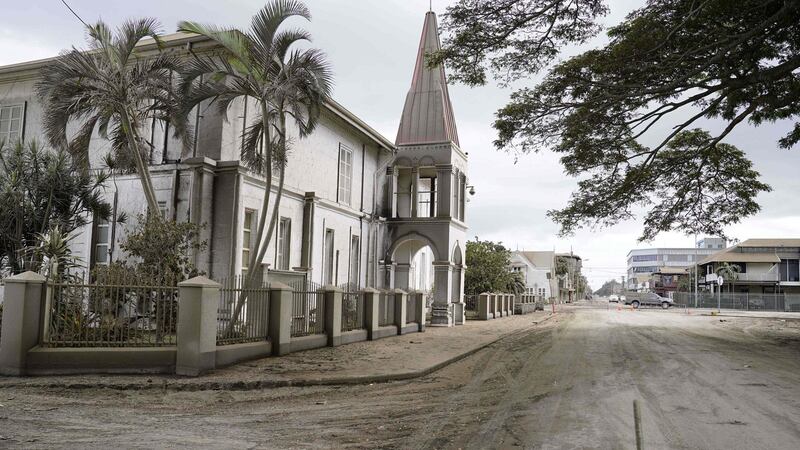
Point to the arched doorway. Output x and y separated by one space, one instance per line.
410 260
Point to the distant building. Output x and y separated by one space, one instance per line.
538 269
643 263
568 283
765 266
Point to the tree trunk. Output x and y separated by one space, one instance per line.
143 169
257 254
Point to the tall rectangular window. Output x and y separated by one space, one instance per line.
329 267
11 118
354 261
102 240
284 244
247 239
345 174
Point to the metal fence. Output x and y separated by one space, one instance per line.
308 309
471 306
739 301
386 309
243 311
411 311
120 310
352 311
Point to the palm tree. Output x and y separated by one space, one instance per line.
109 88
729 272
262 65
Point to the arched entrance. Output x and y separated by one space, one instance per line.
410 260
415 261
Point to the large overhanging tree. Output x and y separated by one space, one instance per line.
111 90
288 85
667 69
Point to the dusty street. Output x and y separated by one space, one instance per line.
566 383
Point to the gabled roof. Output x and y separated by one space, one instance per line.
541 260
30 69
428 114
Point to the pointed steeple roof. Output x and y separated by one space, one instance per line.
428 114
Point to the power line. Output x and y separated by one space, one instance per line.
74 13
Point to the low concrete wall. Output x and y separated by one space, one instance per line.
348 337
382 332
56 361
524 308
232 354
412 327
298 344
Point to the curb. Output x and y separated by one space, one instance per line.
264 384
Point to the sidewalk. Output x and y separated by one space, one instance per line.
389 359
748 314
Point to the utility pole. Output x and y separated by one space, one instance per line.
695 271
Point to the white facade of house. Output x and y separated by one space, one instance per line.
538 269
357 209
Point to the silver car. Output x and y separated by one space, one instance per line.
652 299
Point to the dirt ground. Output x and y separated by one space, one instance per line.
703 382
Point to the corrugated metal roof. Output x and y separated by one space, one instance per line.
790 242
728 255
428 114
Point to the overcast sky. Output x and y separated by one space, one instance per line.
372 46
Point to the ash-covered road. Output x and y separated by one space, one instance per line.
568 383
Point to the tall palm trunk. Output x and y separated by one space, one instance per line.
141 167
261 241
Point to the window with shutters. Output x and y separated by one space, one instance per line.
11 119
345 174
247 239
102 240
284 244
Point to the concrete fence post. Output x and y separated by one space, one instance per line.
503 311
280 318
399 309
513 304
484 306
372 308
22 323
419 306
198 300
333 314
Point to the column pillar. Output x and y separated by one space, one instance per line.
414 191
444 190
371 311
307 238
22 325
401 276
442 308
419 309
391 173
333 314
485 307
280 318
198 300
399 309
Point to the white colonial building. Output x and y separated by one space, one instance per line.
357 208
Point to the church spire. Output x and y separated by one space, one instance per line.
428 114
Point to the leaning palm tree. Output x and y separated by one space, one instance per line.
110 89
261 65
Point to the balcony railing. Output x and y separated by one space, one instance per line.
769 276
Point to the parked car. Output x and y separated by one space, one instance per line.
648 298
613 298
